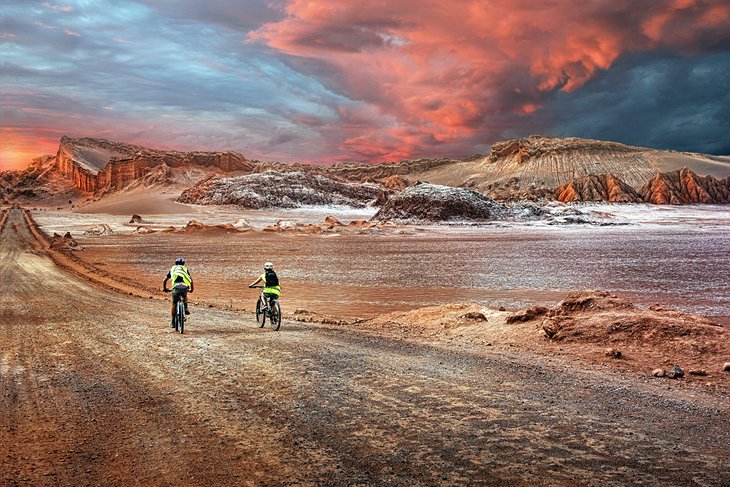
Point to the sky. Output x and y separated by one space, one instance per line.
364 80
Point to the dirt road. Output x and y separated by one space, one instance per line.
95 388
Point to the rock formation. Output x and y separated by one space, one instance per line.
274 189
434 203
601 317
537 163
604 187
685 187
389 174
94 165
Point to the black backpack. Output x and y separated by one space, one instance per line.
271 279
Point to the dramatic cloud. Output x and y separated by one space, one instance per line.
315 80
461 68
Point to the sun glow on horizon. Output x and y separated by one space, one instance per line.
17 152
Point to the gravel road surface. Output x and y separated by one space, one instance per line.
97 389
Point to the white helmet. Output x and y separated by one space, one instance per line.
268 266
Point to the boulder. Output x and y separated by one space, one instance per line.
526 314
434 203
136 219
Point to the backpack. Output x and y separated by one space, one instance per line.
272 280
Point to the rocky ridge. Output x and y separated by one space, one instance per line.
94 165
685 187
534 166
673 188
283 190
603 187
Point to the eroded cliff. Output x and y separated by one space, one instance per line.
685 187
94 165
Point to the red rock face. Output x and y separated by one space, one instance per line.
685 187
98 164
604 187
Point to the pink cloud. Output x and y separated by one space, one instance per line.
58 8
452 69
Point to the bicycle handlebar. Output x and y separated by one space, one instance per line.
257 287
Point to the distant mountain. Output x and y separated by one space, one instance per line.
568 169
535 164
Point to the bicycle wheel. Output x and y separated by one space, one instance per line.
180 316
260 314
275 319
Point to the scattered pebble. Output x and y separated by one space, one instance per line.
698 372
658 373
726 367
676 372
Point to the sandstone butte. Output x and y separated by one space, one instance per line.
97 164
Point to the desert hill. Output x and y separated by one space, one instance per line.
536 164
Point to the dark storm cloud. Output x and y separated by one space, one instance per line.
658 100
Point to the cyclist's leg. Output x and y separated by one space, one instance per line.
185 300
270 298
175 298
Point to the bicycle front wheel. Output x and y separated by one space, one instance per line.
260 314
275 315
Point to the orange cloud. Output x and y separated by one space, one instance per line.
452 68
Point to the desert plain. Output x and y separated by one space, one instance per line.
430 336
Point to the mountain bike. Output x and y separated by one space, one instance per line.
267 307
179 320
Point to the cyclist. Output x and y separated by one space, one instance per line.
182 283
272 289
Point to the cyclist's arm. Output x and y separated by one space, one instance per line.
191 284
164 283
255 282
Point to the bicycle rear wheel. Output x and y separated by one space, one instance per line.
275 320
260 314
180 316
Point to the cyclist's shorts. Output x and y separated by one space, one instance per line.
178 291
271 296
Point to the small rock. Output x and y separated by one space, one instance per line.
136 219
658 373
697 372
474 315
612 352
726 367
676 372
501 308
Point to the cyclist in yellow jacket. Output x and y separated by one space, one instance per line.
181 284
272 289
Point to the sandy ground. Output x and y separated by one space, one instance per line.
95 388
